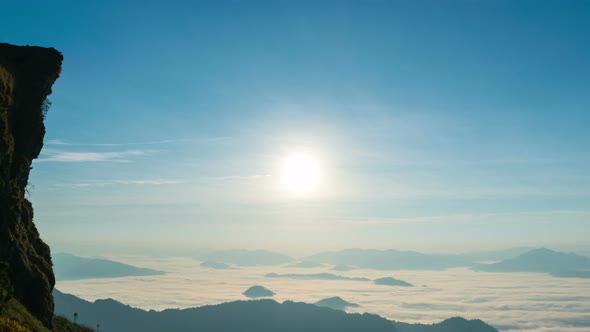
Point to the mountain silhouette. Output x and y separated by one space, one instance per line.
241 257
71 267
336 303
258 291
455 324
543 260
496 255
390 259
388 281
245 316
255 316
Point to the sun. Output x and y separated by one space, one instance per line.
300 173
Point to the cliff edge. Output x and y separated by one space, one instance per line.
26 76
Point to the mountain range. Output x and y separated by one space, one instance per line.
246 316
241 257
71 267
390 259
543 260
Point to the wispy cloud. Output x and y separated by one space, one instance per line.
61 150
49 155
104 183
59 142
243 177
155 182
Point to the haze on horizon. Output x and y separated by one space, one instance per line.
301 126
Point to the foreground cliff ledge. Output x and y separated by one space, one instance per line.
26 76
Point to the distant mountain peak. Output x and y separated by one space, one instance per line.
390 259
72 267
389 281
258 291
336 303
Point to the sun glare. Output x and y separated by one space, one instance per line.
300 173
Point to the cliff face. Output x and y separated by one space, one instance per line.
26 76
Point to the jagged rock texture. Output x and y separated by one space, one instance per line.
26 76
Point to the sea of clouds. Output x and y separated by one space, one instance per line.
523 302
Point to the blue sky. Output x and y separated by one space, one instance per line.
439 125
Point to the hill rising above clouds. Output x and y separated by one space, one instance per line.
242 257
543 260
390 259
71 267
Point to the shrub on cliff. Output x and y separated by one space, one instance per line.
10 325
62 324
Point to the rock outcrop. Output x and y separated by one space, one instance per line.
26 76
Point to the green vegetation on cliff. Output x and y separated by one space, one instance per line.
15 318
16 312
62 324
10 325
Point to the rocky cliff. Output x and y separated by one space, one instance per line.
26 76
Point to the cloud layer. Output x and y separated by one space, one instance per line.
523 302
